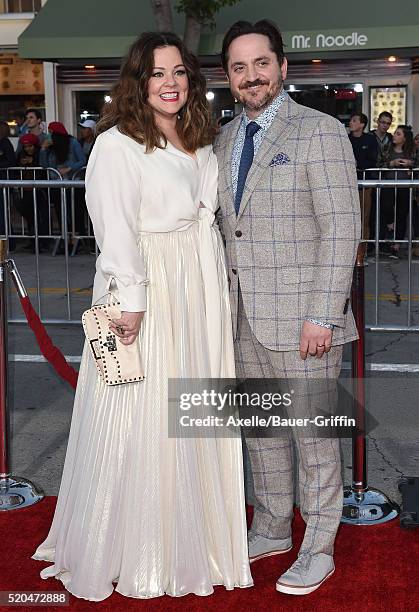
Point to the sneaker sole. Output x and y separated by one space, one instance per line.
269 554
290 590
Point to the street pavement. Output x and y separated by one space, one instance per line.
41 404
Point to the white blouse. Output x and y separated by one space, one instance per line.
129 191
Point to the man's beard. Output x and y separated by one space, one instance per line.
262 103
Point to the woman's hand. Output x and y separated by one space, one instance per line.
64 171
127 327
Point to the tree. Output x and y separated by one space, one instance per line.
162 12
198 13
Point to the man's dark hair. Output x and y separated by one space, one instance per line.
35 111
264 27
385 114
362 117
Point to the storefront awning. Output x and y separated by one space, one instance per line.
105 28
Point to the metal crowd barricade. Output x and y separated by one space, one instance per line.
57 229
379 240
81 229
66 232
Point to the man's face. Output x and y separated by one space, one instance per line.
384 123
355 124
254 72
29 149
32 120
86 133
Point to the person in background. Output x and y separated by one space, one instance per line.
28 158
400 155
7 154
33 125
29 153
416 142
87 140
364 144
415 251
63 152
88 136
382 135
19 118
7 159
365 148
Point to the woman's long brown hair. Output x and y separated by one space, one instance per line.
129 108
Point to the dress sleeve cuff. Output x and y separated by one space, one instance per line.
132 298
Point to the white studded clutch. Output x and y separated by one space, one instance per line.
116 363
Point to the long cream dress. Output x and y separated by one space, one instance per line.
151 513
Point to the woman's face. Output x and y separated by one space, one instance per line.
398 137
168 85
417 141
29 149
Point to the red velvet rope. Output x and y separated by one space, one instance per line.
51 353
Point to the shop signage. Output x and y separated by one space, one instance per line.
351 39
20 76
325 41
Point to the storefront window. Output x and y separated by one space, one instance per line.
339 100
89 104
221 102
390 99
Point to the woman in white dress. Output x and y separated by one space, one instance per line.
151 513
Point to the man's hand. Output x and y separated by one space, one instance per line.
314 340
127 327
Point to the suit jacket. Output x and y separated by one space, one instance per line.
293 244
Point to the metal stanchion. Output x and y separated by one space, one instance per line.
361 504
14 492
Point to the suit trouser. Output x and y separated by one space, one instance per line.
271 458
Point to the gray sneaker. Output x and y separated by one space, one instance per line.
306 574
260 546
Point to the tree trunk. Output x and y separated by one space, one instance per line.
162 12
192 34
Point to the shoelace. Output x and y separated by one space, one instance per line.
301 562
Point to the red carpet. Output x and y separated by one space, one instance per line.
376 569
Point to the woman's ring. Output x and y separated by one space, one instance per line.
120 329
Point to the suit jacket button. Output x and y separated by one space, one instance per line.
234 270
238 233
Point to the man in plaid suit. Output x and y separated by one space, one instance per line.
290 215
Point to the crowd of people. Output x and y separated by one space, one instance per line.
42 146
36 151
396 155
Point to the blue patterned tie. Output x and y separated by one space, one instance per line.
245 161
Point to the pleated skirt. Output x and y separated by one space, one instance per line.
137 510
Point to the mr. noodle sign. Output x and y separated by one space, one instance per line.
326 41
354 39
